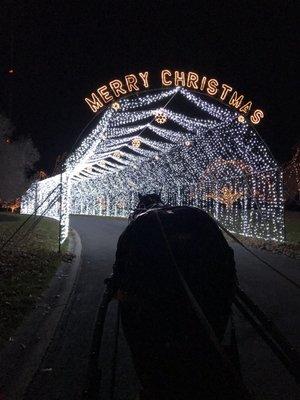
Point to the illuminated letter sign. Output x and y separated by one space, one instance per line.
110 92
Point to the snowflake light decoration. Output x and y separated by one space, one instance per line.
136 142
117 154
160 117
116 106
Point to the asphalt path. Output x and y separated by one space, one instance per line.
62 374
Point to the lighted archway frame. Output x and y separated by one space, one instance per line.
190 148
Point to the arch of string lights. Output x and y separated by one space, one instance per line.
182 144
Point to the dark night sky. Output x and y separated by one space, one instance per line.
63 50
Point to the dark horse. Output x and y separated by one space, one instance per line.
172 353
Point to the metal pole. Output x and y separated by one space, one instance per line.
60 213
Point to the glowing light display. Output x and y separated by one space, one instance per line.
191 80
291 176
204 155
136 142
226 195
115 106
160 117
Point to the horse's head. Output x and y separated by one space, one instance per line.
150 200
146 201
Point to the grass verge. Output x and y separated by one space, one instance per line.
290 248
27 264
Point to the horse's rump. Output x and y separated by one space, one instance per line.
202 254
167 340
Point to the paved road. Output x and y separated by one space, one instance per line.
62 373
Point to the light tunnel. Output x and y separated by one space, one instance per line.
183 144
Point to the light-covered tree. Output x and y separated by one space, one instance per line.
17 159
291 177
